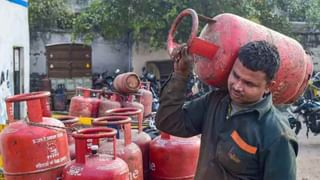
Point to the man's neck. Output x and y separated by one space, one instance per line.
239 107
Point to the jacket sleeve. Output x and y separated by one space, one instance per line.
281 159
174 116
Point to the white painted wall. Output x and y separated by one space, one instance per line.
142 54
14 32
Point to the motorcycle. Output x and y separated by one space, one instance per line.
196 88
104 80
313 89
295 124
309 110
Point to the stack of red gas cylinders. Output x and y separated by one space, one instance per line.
128 93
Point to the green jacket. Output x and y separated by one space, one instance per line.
249 145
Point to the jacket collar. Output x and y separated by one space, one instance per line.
260 107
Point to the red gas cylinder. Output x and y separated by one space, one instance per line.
109 101
85 105
126 150
68 121
304 85
173 157
145 98
126 83
217 48
33 148
45 105
130 101
95 101
95 166
139 137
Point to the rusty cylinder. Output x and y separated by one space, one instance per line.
127 83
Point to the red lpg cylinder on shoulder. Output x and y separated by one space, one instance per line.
304 85
83 104
68 121
34 148
126 150
216 50
127 83
95 166
173 157
109 101
139 137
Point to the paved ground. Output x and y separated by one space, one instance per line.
308 160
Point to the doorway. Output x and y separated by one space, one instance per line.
18 78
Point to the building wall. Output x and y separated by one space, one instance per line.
106 56
310 40
14 32
316 58
142 54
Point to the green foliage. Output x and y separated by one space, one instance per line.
312 14
149 20
48 14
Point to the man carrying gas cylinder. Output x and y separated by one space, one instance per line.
243 136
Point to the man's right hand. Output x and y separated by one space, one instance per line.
183 62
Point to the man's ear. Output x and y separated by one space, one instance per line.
269 86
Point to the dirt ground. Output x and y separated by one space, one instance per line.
308 161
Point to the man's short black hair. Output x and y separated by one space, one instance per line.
260 56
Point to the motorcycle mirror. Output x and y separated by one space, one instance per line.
151 77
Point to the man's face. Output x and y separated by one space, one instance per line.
246 86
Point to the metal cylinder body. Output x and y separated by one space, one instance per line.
127 83
126 149
68 121
146 100
139 137
84 104
36 148
108 103
95 166
173 157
